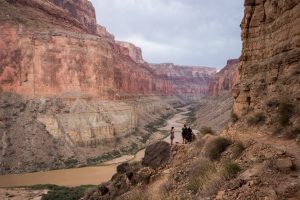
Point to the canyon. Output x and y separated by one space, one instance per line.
256 154
71 95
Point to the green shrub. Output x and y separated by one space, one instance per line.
237 149
153 127
285 111
216 147
206 130
192 114
71 163
201 175
258 118
234 117
230 169
62 193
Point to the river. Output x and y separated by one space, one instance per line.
93 175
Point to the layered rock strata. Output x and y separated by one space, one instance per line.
133 51
224 79
54 61
184 79
269 70
49 133
70 93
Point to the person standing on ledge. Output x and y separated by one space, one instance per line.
184 133
172 135
189 134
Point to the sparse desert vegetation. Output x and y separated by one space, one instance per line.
207 130
257 118
62 193
230 169
285 111
216 147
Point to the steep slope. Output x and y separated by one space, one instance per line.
269 71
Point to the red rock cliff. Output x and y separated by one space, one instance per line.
56 48
224 79
77 13
184 79
46 57
134 52
269 71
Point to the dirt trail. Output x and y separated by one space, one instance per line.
289 146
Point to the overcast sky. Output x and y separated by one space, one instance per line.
185 32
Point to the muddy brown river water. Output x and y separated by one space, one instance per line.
87 175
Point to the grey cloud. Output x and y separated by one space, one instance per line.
186 32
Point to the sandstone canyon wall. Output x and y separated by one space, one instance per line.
269 71
134 52
225 79
70 92
184 79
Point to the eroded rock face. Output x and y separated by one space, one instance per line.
225 79
54 56
49 133
102 32
80 13
184 79
36 64
134 52
269 70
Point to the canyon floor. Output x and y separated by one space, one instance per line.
97 174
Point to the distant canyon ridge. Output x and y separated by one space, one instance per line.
71 94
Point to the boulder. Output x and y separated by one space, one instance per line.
123 168
157 154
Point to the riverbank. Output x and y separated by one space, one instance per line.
92 175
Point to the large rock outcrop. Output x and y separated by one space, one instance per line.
157 154
269 71
185 79
134 52
36 64
77 13
224 79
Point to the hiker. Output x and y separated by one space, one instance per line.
184 134
189 134
172 135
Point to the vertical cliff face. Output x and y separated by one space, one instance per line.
184 79
102 32
224 79
70 14
269 71
45 58
81 10
134 52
